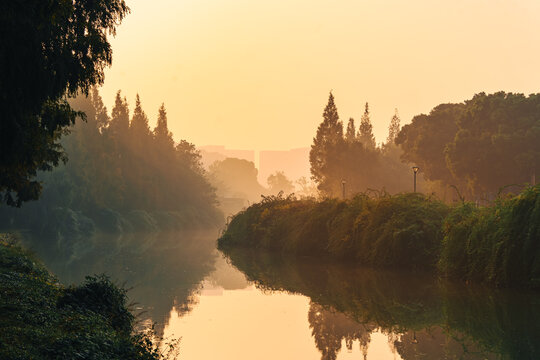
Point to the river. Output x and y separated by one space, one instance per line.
249 305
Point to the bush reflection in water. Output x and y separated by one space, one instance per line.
163 270
423 316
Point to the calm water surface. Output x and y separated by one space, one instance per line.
257 306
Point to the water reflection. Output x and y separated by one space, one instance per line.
424 318
331 328
162 270
336 309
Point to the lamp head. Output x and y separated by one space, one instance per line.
415 169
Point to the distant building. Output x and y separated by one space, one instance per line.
294 163
211 153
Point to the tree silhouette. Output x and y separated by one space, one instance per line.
50 49
138 127
329 136
393 129
120 116
350 135
481 145
162 135
362 166
279 182
365 132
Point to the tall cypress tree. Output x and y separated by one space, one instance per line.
393 129
138 158
119 124
365 133
350 135
102 118
329 135
139 128
162 135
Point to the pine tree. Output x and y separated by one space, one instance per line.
119 124
162 135
139 122
329 135
365 133
350 135
393 129
102 118
138 158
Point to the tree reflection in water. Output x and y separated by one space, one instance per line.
330 328
423 317
162 270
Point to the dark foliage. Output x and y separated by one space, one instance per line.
39 319
49 49
499 244
480 146
402 230
121 177
352 162
98 294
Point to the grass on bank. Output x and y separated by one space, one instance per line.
41 319
498 244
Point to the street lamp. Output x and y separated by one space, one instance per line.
343 187
415 170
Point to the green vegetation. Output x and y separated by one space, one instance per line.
279 182
499 244
389 230
353 157
235 178
50 50
445 320
496 244
162 270
121 177
40 319
479 145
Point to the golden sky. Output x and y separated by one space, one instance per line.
255 74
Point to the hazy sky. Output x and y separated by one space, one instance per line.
255 74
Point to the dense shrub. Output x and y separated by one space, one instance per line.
40 319
99 295
388 230
498 244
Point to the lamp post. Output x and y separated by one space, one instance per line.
415 170
343 188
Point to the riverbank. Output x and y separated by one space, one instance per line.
42 319
498 244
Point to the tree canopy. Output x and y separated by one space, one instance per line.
278 182
480 146
236 178
329 136
49 49
365 132
354 158
111 172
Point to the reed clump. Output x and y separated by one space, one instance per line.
497 244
